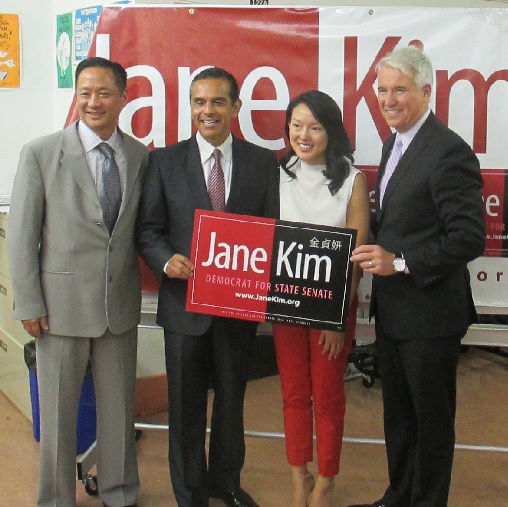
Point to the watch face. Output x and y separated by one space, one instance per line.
399 264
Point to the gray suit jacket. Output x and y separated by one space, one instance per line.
63 263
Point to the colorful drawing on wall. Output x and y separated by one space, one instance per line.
64 50
10 63
85 24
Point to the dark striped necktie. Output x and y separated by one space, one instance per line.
111 191
217 187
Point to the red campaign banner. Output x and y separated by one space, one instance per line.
162 47
270 270
495 200
277 53
495 205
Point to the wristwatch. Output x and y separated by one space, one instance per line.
399 263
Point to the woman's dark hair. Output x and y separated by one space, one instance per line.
339 152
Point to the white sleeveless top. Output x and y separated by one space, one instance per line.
307 198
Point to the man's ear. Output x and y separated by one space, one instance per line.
236 107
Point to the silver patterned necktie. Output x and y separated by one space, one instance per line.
390 167
111 190
217 187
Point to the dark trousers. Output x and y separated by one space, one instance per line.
217 359
419 379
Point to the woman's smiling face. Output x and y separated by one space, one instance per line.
307 136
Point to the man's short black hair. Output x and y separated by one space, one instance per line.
218 73
97 61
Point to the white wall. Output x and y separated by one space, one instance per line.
26 111
38 107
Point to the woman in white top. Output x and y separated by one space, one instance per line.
318 185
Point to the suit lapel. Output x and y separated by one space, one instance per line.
385 155
133 168
240 161
405 165
74 161
195 177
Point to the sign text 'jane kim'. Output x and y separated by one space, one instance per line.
291 260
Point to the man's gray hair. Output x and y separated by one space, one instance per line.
411 61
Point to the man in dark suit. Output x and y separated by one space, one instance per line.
429 224
76 282
201 348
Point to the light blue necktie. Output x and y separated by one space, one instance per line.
111 191
390 167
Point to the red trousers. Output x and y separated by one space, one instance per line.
312 387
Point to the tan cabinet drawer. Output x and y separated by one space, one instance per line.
14 380
4 262
7 324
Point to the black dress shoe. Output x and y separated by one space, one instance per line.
234 498
379 503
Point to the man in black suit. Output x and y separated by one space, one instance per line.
429 224
200 348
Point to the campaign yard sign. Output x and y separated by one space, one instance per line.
270 270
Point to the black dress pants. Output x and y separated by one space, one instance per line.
419 378
217 359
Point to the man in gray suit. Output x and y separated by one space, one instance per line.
76 283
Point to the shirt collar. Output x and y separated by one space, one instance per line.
206 149
408 136
91 140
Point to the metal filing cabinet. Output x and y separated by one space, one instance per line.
13 370
14 379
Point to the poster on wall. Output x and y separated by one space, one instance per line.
85 25
10 61
86 22
64 50
269 270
